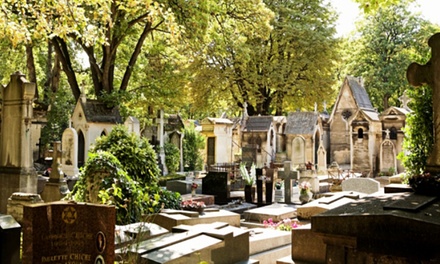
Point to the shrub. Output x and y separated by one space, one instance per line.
135 154
102 180
172 157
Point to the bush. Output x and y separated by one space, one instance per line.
172 157
135 154
102 180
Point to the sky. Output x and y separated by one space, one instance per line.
348 13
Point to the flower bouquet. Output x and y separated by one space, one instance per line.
285 225
190 205
425 184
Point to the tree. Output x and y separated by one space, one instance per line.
388 41
370 6
291 68
111 34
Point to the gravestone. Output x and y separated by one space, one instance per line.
288 176
362 185
17 173
217 184
10 234
62 232
322 159
388 156
56 188
298 151
69 161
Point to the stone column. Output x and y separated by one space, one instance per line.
17 173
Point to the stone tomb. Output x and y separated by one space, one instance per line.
215 242
62 232
171 218
328 202
276 211
390 228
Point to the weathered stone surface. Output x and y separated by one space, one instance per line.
362 185
307 246
364 230
18 200
277 212
64 232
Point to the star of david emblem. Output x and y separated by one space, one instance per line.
69 215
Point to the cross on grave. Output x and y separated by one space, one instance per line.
404 99
55 174
387 134
287 175
418 75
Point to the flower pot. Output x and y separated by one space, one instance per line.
305 196
193 192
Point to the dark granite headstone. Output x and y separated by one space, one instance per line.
62 232
216 183
10 233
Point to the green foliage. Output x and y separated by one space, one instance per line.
61 106
172 157
136 155
291 68
371 6
418 131
193 142
387 43
104 181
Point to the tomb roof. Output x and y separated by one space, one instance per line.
97 112
258 123
301 123
359 93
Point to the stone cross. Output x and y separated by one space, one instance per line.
55 173
387 134
288 176
429 73
404 99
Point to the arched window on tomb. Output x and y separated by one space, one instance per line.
103 133
360 133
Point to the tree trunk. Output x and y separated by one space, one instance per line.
30 64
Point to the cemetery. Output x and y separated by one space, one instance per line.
308 187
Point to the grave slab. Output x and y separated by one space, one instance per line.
325 203
180 217
365 230
216 242
135 233
275 211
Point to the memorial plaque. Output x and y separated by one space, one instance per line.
69 233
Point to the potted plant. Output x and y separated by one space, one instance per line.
305 192
249 180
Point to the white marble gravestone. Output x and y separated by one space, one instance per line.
69 161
